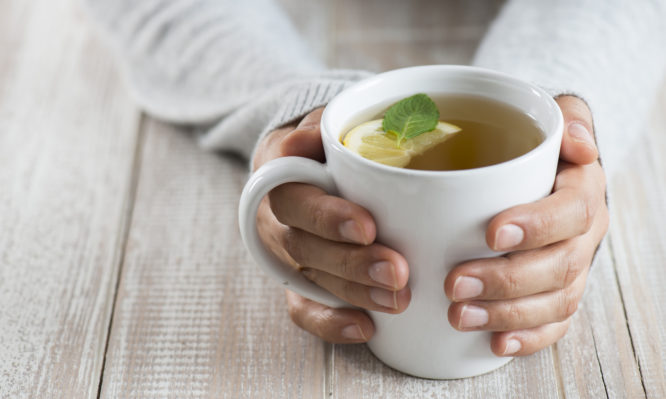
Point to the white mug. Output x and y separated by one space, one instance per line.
444 223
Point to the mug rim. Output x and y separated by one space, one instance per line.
361 85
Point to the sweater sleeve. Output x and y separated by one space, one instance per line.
611 53
234 69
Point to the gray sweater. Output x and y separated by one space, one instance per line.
238 69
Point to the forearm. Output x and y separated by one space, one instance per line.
236 68
610 53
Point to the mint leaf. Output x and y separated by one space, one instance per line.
410 117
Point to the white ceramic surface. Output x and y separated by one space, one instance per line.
443 224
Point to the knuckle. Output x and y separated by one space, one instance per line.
317 217
510 283
321 322
600 178
568 303
605 219
515 314
541 225
348 291
586 210
346 264
276 205
571 267
292 245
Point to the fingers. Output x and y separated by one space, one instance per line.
524 273
305 206
513 314
517 274
338 326
527 341
371 298
314 232
523 290
578 145
302 140
305 139
568 212
372 277
309 208
528 296
374 265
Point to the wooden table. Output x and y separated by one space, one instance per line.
122 273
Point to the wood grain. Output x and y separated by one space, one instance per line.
194 317
595 358
378 35
356 373
638 210
67 138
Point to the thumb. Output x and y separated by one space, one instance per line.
578 143
305 139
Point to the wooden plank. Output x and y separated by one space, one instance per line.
595 358
356 373
67 140
590 363
638 212
194 317
378 35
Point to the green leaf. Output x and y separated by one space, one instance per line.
410 117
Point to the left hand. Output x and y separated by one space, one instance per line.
527 297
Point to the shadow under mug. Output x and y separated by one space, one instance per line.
436 219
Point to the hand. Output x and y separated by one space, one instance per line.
331 241
528 296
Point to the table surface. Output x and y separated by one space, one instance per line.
122 273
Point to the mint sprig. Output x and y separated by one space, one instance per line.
410 117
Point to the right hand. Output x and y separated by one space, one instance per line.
331 241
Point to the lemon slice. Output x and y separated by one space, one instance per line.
370 141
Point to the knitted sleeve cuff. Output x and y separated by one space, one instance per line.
242 130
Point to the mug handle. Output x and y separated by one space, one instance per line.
267 177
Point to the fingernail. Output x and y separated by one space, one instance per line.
467 287
512 346
382 297
508 236
384 273
579 133
353 332
351 231
472 316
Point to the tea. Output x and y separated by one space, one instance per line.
491 132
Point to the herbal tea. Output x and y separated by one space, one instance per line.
447 132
